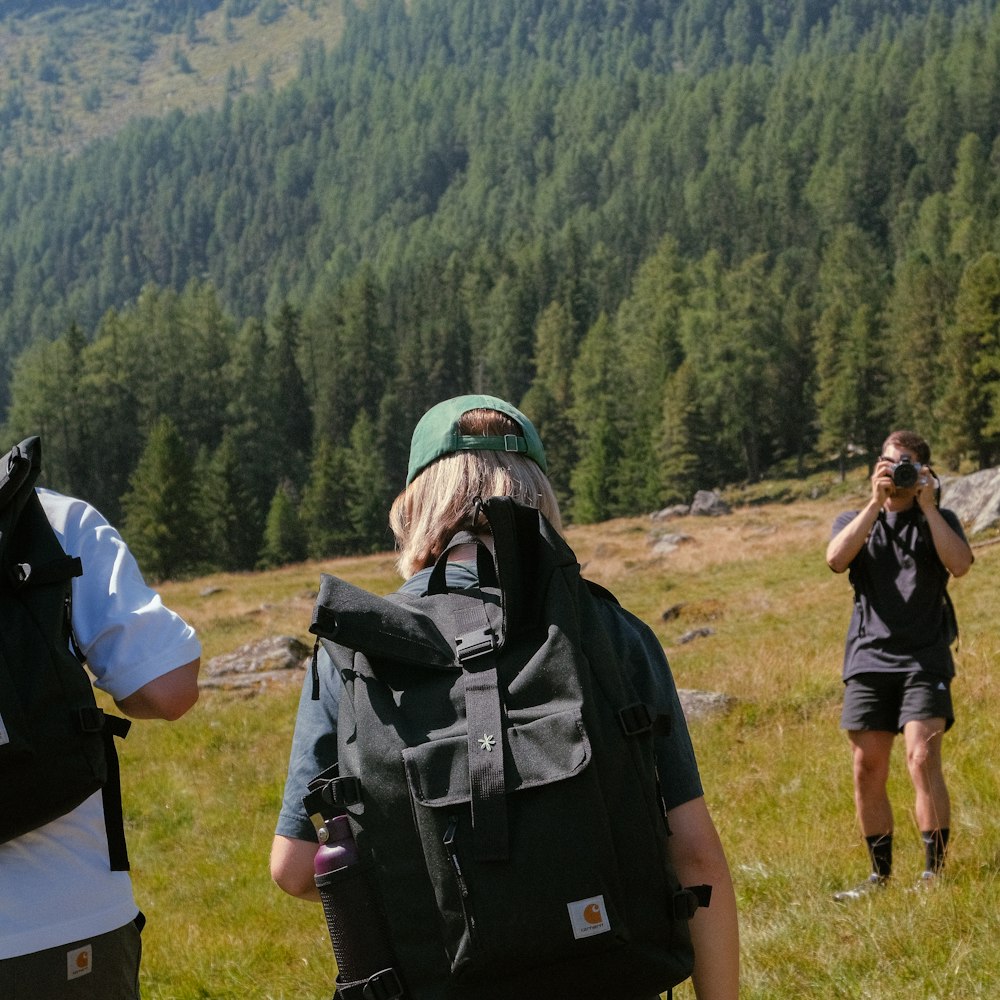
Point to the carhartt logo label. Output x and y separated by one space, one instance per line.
4 738
79 961
588 917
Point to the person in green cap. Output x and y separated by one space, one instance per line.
475 447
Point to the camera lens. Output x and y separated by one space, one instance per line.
904 475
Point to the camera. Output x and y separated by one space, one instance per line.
905 474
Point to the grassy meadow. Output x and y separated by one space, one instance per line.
202 794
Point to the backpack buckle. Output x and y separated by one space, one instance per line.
472 645
91 719
342 792
635 719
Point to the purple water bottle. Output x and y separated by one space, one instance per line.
354 916
339 849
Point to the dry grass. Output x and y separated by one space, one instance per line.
204 793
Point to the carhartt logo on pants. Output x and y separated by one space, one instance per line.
588 917
79 962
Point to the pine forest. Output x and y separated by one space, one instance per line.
697 241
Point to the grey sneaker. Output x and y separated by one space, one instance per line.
872 884
926 881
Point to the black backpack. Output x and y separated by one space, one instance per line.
56 745
498 771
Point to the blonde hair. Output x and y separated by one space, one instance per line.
441 500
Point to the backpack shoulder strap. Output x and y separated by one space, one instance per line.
31 555
19 470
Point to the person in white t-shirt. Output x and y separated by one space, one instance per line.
69 925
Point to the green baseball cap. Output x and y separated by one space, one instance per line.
437 434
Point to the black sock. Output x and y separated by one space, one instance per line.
880 851
935 846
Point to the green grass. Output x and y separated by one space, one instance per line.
203 793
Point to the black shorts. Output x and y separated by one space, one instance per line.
887 701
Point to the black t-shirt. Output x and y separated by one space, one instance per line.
899 584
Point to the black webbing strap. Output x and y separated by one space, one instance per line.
437 583
55 571
477 648
689 899
383 985
515 584
111 794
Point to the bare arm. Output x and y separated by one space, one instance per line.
698 856
848 542
167 697
292 867
953 550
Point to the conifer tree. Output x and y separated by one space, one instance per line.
288 414
324 513
648 330
231 519
367 505
284 537
594 393
971 352
547 403
852 405
918 312
45 391
683 440
160 525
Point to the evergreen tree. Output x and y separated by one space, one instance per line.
114 415
347 345
971 200
594 393
287 413
971 351
367 506
852 406
160 525
548 402
324 512
683 439
253 411
648 330
918 312
284 537
233 525
793 406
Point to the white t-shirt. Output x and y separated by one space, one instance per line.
56 885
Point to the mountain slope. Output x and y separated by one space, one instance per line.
71 73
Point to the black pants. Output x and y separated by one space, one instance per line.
105 967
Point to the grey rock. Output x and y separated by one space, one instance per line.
703 704
258 664
708 503
975 499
